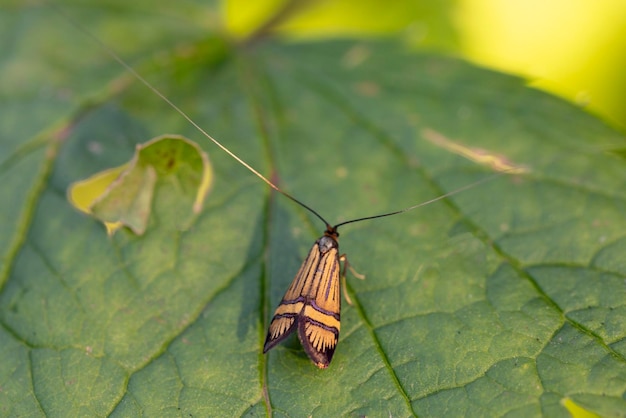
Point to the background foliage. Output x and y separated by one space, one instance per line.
572 49
506 299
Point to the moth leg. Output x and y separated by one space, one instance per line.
346 265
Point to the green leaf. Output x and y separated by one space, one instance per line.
505 299
170 173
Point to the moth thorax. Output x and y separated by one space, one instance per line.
326 244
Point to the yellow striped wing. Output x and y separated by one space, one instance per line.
312 304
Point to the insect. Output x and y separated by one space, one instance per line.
312 302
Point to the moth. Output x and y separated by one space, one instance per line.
312 303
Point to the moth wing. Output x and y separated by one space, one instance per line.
312 304
319 321
287 313
283 323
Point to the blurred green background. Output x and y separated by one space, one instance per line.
572 48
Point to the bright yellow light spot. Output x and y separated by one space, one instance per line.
576 410
567 47
243 16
